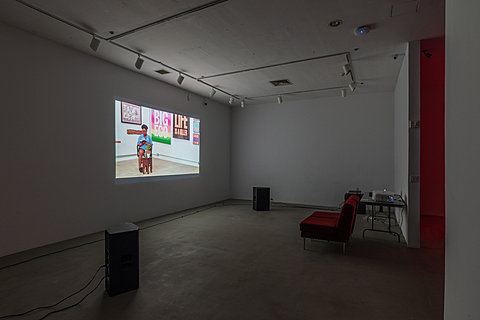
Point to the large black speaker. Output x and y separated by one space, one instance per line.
261 198
121 258
362 208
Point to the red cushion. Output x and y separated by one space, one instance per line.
318 225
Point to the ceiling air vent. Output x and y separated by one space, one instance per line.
162 71
407 7
281 83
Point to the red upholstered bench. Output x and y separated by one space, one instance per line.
331 226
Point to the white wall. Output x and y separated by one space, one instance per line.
401 142
462 150
58 171
413 238
313 151
407 143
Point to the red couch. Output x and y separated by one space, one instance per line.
331 226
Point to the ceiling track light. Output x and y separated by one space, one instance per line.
242 103
188 96
335 23
230 101
344 93
346 69
212 93
94 44
352 86
279 99
96 40
180 79
139 63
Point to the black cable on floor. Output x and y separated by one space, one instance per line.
87 243
249 203
55 304
176 218
75 304
50 253
91 242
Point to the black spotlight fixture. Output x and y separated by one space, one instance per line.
426 53
94 44
180 79
139 62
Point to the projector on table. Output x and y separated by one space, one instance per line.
382 195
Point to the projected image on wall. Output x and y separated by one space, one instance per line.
151 142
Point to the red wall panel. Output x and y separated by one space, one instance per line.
432 139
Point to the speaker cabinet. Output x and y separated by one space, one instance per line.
261 198
121 258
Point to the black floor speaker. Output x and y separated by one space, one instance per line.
261 198
121 258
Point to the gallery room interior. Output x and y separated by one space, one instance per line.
239 159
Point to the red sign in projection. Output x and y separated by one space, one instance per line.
181 127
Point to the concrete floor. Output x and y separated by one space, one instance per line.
230 262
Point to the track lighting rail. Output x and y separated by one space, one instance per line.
140 56
274 65
167 19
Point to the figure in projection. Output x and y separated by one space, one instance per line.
144 145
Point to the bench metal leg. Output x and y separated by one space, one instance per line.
344 245
303 243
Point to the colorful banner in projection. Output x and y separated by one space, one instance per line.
196 131
161 126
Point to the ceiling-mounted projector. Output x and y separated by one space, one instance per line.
362 30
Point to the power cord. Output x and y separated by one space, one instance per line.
91 242
249 203
180 217
56 304
98 284
150 226
91 280
75 304
48 254
195 212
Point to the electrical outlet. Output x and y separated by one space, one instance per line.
414 124
414 179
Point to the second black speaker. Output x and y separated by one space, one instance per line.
261 198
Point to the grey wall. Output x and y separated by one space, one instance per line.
401 142
462 150
313 151
58 165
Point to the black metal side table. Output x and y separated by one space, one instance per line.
389 205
